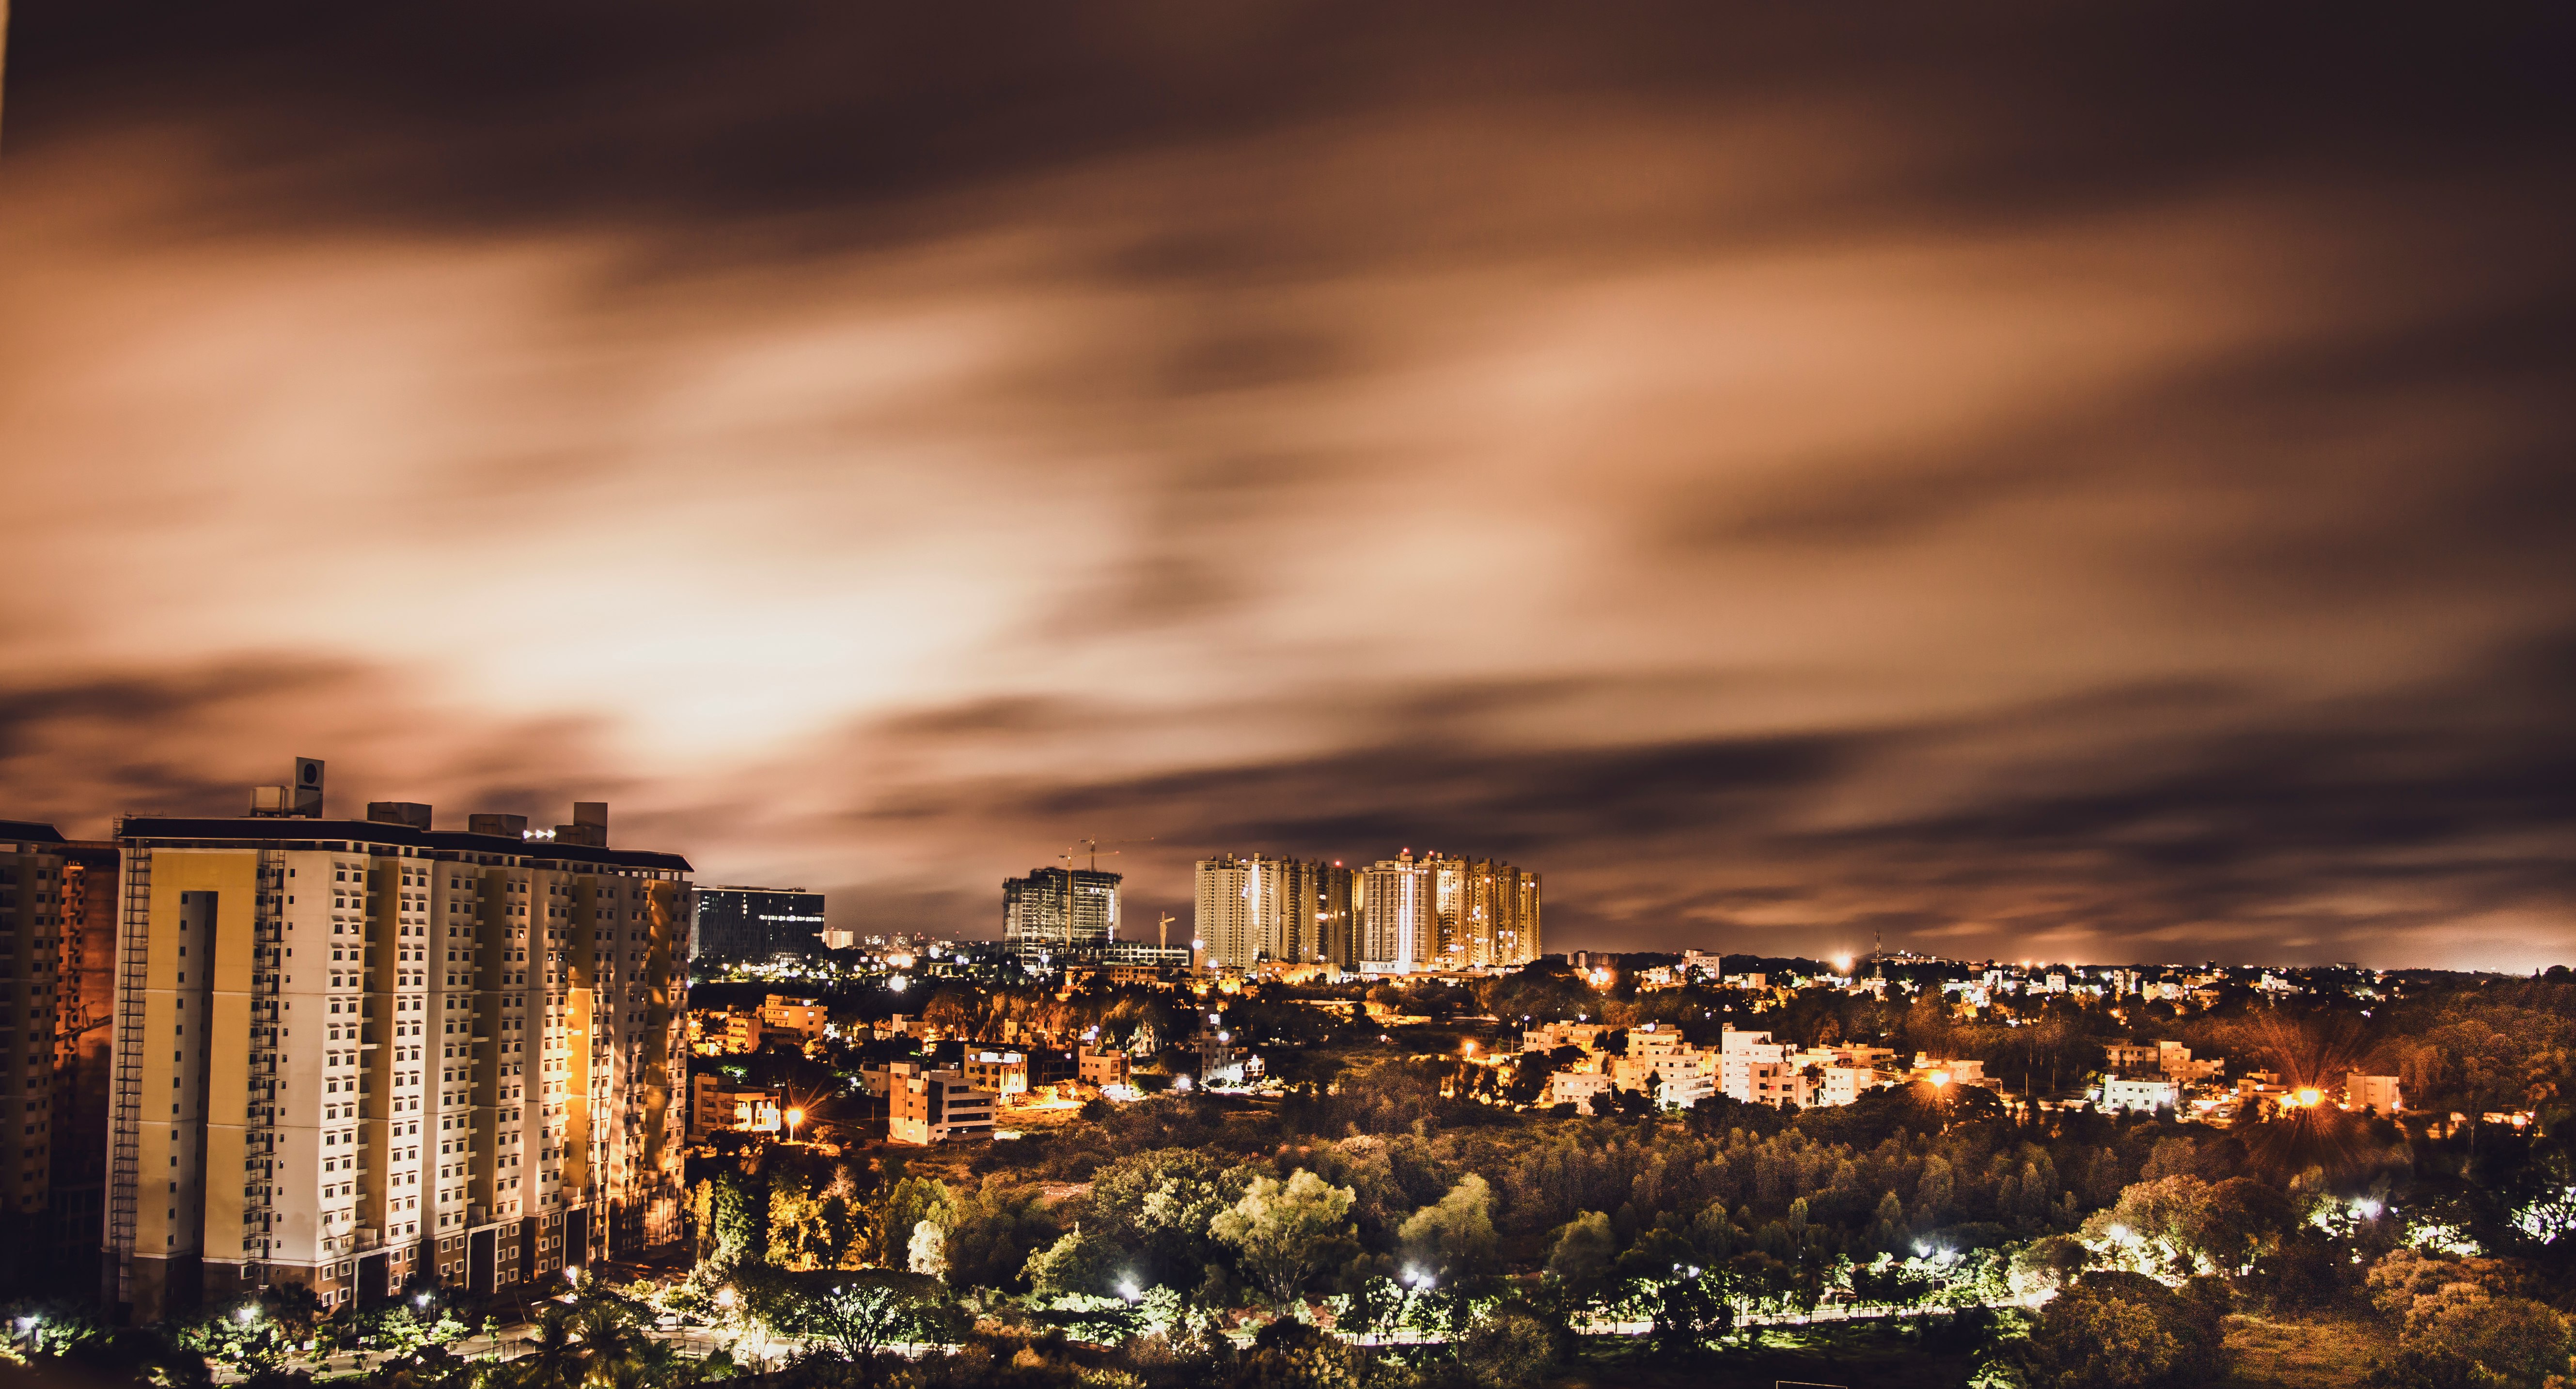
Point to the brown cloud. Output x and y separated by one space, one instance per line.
2011 480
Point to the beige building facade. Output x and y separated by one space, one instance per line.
351 1052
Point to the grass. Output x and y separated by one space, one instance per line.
1854 1355
2326 1350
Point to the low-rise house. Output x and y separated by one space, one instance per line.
1563 1034
715 1107
1576 1087
1756 1070
1005 1073
804 1016
2140 1095
1221 1062
1681 1078
1954 1071
928 1106
1846 1084
1105 1067
2375 1093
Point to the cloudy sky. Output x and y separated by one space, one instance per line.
2078 482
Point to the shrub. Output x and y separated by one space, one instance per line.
2127 1331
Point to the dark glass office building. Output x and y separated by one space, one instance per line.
735 925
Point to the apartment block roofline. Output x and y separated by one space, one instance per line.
29 832
283 831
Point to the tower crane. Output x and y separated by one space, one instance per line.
1089 848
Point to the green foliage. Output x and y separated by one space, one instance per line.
1081 1263
1453 1239
47 1328
1510 1347
811 1226
1690 1314
2459 1336
985 1235
1159 1205
2127 1331
729 1219
2467 1322
1580 1258
857 1315
904 1205
599 1341
2181 1225
1279 1230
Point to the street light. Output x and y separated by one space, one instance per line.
794 1117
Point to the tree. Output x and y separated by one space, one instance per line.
810 1227
2189 1226
1689 1317
1508 1347
2127 1331
728 1221
2460 1336
986 1234
1079 1264
1453 1239
1158 1204
862 1313
928 1251
1279 1229
1580 1261
907 1203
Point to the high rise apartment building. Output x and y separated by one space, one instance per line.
1488 913
387 1050
1283 909
1056 915
1396 916
1336 938
1226 927
57 952
1399 915
732 925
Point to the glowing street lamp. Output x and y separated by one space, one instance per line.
794 1117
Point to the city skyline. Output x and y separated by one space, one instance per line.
2029 483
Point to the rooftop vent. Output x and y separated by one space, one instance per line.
589 825
411 813
300 798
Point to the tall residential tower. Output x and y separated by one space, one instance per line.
388 1050
1055 916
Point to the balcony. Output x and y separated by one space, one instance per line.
368 1237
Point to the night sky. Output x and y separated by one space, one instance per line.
2077 482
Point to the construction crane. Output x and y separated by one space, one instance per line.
1086 848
